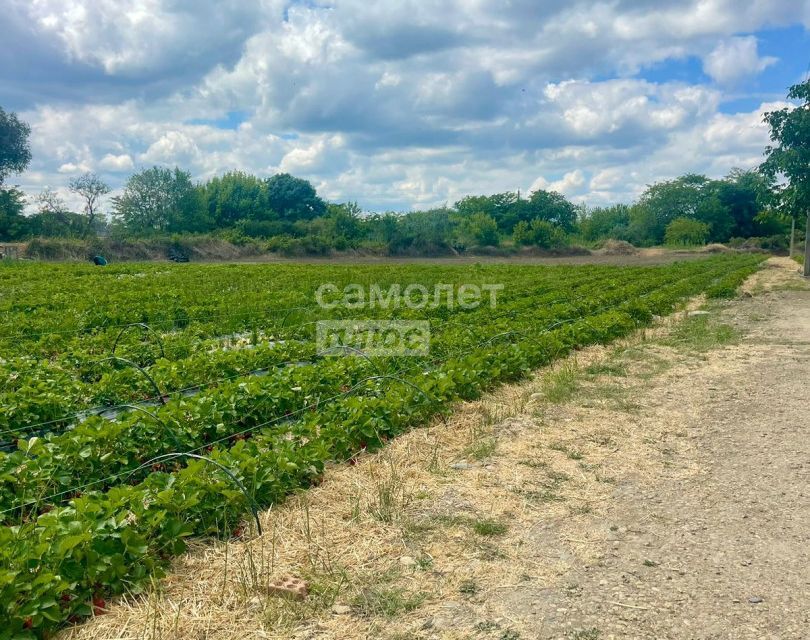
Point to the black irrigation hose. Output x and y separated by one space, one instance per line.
345 347
156 419
433 399
145 326
191 453
158 321
158 392
164 318
25 430
178 454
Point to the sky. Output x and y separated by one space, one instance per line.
401 104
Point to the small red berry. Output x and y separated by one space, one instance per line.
99 606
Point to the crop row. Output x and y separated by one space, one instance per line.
37 392
106 542
98 448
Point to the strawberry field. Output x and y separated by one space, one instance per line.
143 404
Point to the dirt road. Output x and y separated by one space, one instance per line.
659 488
718 544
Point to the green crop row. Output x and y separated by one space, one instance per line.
98 448
114 536
39 391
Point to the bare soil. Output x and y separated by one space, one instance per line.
656 488
642 257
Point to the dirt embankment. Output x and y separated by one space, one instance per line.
212 249
657 488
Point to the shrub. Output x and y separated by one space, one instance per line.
686 232
540 233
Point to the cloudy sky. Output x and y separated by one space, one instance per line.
400 104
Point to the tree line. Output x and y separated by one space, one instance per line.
287 213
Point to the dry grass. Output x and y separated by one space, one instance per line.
430 530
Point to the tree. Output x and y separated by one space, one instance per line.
547 235
12 222
479 229
50 202
540 233
235 196
160 199
15 153
521 235
90 188
787 160
689 196
686 231
552 207
500 206
643 228
293 198
606 222
745 195
55 220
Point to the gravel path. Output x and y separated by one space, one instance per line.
717 546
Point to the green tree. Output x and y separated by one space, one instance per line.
13 225
161 199
521 235
546 234
49 201
643 229
340 228
552 207
15 152
540 233
15 155
787 160
686 232
745 195
422 232
715 216
501 207
235 196
293 198
689 196
55 220
605 222
479 229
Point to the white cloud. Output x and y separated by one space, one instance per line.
122 162
136 36
569 185
396 104
735 59
70 167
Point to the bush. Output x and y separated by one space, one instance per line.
291 247
686 232
540 233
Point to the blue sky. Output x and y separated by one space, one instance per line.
401 104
